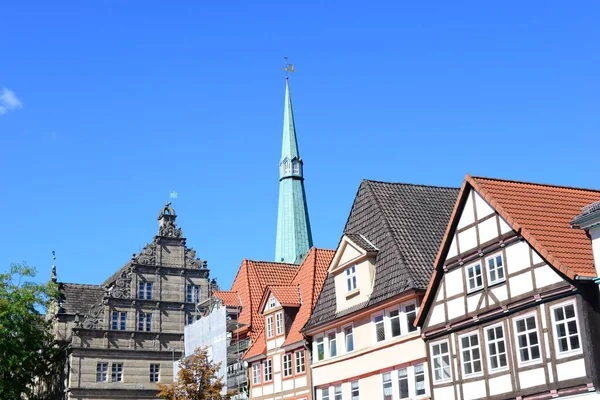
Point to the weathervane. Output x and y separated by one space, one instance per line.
288 67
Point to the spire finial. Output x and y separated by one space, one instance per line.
53 274
288 67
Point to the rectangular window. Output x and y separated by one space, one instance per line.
338 392
495 269
270 326
349 336
320 349
387 386
441 361
420 379
379 328
474 277
193 294
272 302
471 355
144 321
101 372
287 364
145 290
410 310
566 330
300 366
403 383
279 323
351 278
268 370
119 320
332 344
354 391
496 347
256 373
116 372
527 339
325 394
154 372
395 323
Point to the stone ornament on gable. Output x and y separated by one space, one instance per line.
94 316
191 260
121 288
148 255
167 225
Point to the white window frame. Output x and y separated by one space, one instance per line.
299 362
325 393
409 328
337 392
279 323
116 374
154 373
319 339
527 331
355 390
351 282
473 266
381 323
272 302
384 382
407 378
441 356
470 349
330 347
489 270
287 365
268 365
424 373
269 326
495 343
398 318
256 373
102 371
570 352
351 327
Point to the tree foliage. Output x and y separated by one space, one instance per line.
197 380
26 343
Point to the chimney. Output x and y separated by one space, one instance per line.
589 219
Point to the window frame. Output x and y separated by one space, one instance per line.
473 266
407 378
268 362
495 342
120 322
325 391
287 358
331 353
351 328
116 375
410 328
144 321
424 374
254 373
570 352
337 392
470 349
493 258
353 395
102 372
441 355
279 324
516 339
320 340
384 382
351 280
299 362
269 328
155 375
193 296
398 318
382 323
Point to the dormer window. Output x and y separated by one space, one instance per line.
272 302
279 323
351 278
270 326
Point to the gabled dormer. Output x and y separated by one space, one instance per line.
353 268
279 307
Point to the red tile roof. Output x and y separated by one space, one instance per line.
285 295
230 299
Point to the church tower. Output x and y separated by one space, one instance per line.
294 238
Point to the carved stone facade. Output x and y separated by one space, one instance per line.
124 334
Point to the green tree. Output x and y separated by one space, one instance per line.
196 380
26 343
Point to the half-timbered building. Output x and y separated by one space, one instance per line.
511 310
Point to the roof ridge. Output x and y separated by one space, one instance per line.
410 184
81 284
535 183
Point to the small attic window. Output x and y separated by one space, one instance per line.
272 302
351 278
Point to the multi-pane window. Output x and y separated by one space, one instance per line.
471 355
287 364
193 294
379 328
474 277
256 373
116 372
351 278
119 320
410 310
144 321
395 323
145 290
527 339
101 372
565 328
354 390
441 361
349 337
332 344
279 323
320 349
420 379
272 302
496 347
387 386
268 370
154 372
403 383
325 394
300 366
270 326
337 392
495 269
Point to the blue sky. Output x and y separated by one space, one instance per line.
108 106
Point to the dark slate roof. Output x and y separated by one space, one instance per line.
79 298
406 223
361 241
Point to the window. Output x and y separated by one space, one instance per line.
296 167
495 269
349 336
471 355
272 302
410 311
154 372
116 372
193 294
565 328
379 328
145 290
101 372
270 326
387 386
527 339
144 321
403 383
287 364
332 345
279 323
395 323
320 349
496 347
256 373
420 379
268 370
338 392
441 361
119 320
351 278
354 391
325 394
474 277
300 367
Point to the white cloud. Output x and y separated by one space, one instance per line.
9 101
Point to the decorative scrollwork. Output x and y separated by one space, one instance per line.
148 255
122 286
169 231
94 316
190 259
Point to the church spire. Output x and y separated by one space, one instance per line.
294 238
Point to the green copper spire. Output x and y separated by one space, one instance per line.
294 238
